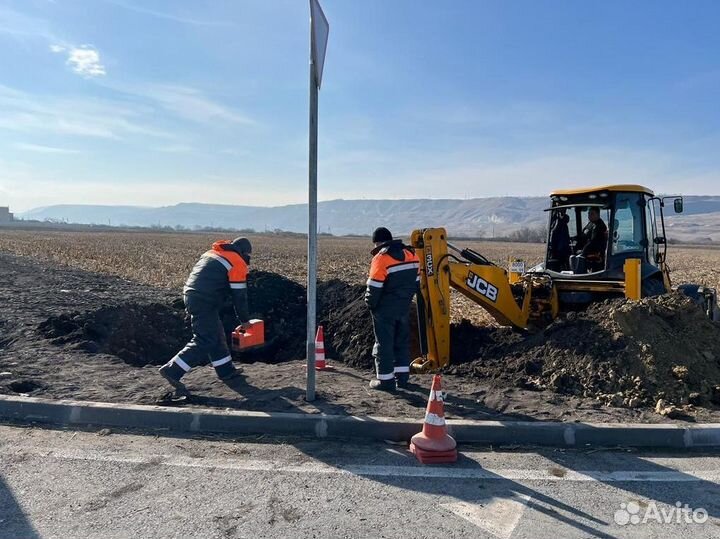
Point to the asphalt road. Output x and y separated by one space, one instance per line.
68 484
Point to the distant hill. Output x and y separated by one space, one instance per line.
485 217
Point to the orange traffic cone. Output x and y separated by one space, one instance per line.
320 363
434 445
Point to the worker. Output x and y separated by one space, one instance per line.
220 272
595 240
560 242
392 283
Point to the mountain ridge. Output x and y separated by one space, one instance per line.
481 217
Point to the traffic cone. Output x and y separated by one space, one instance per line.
320 363
434 445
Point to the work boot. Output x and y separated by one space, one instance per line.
167 371
232 375
382 385
402 381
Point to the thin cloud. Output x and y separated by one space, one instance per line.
20 25
170 16
177 148
183 102
43 149
83 117
193 105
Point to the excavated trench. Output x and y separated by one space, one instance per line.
622 353
149 334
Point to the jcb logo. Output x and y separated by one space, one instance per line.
429 262
481 286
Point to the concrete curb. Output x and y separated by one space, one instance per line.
204 420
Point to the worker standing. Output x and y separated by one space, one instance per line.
220 272
392 283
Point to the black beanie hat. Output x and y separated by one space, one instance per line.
381 235
243 245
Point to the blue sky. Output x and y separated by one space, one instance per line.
159 102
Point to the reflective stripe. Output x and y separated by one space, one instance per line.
402 267
436 396
222 361
376 284
390 376
434 419
223 261
402 369
238 286
180 363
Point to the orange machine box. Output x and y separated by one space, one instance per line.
253 337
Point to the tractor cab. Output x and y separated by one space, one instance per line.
593 232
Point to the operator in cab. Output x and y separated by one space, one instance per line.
392 283
560 250
595 241
221 272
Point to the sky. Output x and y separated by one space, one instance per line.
157 102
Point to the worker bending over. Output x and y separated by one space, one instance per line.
392 282
220 272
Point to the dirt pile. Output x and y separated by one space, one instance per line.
139 334
280 302
619 352
348 327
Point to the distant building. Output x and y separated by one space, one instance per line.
5 215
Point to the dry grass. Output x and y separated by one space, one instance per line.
165 260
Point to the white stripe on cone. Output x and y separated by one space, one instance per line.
434 419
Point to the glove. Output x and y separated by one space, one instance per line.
243 327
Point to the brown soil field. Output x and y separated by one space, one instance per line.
164 259
88 315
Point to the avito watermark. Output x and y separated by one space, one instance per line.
680 513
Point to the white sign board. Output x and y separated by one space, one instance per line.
320 29
517 266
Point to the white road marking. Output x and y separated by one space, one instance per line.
409 470
498 517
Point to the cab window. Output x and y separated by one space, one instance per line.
627 227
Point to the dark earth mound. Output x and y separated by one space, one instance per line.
346 320
280 303
620 352
139 334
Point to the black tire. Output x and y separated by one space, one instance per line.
652 286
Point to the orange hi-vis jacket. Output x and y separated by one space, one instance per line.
393 279
220 271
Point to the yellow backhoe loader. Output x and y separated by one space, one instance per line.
630 262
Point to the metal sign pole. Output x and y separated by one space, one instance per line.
312 233
319 29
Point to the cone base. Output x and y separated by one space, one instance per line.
319 367
441 444
433 457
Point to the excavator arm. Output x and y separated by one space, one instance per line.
442 267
